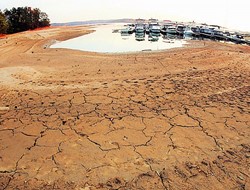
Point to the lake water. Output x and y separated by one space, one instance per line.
104 41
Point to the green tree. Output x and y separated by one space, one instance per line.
3 24
36 18
14 19
44 20
25 18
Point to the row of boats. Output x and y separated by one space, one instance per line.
213 32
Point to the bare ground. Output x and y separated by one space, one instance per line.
177 119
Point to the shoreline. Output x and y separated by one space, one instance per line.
174 119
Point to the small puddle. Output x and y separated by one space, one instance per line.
104 41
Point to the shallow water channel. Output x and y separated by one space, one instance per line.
104 41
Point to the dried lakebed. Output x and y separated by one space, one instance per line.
170 120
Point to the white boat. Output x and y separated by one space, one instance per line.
207 31
128 30
219 35
192 31
171 30
155 28
237 38
180 29
152 25
139 28
165 27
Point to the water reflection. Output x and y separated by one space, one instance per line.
172 36
125 36
153 37
140 36
103 40
189 37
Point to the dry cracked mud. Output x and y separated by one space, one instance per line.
177 119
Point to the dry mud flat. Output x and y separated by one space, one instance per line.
177 119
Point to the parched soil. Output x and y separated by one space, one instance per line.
176 119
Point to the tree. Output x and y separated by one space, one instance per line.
44 20
25 18
3 24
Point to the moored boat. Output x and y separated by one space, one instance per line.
237 38
172 30
192 31
180 29
139 28
207 32
218 34
153 26
165 27
128 30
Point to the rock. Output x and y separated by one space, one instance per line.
240 177
4 108
247 155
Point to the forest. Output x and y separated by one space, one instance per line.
22 19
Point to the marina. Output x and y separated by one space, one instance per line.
185 30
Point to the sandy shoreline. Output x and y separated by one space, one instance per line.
176 119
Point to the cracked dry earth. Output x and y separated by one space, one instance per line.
177 119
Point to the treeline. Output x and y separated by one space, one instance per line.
22 19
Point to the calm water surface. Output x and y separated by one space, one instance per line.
104 41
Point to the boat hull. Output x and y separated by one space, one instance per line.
191 33
155 31
172 32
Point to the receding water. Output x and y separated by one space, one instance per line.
104 41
